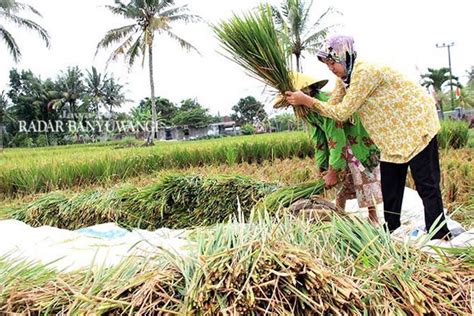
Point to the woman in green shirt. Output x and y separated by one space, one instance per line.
344 152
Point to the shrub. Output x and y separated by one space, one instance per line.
247 129
454 134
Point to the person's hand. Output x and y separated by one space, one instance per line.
330 178
298 98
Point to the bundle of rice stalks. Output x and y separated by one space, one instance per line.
252 42
176 201
283 197
276 279
210 200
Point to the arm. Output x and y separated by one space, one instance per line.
363 84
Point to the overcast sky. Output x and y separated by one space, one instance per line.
401 33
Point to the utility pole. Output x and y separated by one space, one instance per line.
450 71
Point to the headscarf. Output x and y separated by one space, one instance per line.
340 49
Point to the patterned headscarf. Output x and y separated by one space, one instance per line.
340 49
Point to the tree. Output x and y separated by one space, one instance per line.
71 91
165 109
470 74
197 118
436 78
284 122
8 12
466 97
30 101
3 114
150 17
113 95
189 104
95 90
193 114
248 110
20 93
292 18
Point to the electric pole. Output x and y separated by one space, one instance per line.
450 70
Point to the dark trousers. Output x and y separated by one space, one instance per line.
426 173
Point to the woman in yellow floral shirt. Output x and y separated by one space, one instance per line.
399 116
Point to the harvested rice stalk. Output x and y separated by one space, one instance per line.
283 197
177 201
252 42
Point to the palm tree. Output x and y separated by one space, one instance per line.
71 89
113 95
150 18
436 78
95 86
8 12
293 20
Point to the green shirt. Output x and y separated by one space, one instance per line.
332 136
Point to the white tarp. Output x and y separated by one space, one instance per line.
107 244
100 245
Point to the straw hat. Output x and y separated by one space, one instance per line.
300 81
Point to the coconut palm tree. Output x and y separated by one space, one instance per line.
95 86
113 95
150 18
70 89
8 13
292 18
436 78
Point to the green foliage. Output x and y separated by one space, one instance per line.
164 108
248 110
437 78
293 20
247 129
193 114
284 122
453 134
197 118
8 13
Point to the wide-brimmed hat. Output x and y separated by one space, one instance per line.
300 81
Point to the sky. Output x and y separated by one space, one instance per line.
401 33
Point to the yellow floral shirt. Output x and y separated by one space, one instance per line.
398 114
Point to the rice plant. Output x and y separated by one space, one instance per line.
30 171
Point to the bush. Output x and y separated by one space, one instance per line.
247 129
454 134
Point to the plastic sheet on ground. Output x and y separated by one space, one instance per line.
413 228
100 245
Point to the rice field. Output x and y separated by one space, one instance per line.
26 171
